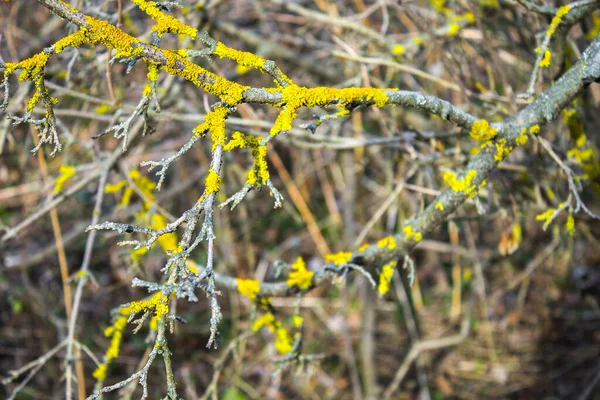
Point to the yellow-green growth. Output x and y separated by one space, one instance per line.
562 11
159 303
165 23
522 138
213 182
267 319
297 321
339 258
363 247
595 29
152 78
387 242
545 63
570 225
584 151
168 241
410 234
283 340
481 130
502 149
466 185
385 278
398 50
248 287
259 174
453 29
546 216
115 332
246 60
283 122
143 183
66 173
298 96
300 276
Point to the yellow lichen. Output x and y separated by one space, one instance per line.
522 138
300 276
387 242
440 6
248 287
259 174
115 332
152 72
416 236
453 29
470 17
502 149
595 30
545 63
297 321
168 241
481 130
398 50
535 129
385 278
216 125
562 11
363 247
339 258
159 303
584 152
247 60
100 372
465 185
102 109
570 225
241 70
143 183
165 23
213 182
244 58
114 188
283 122
66 173
191 267
267 319
283 340
546 216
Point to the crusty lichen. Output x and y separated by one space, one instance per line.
481 130
213 182
465 185
410 234
164 22
562 11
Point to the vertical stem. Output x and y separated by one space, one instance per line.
166 355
